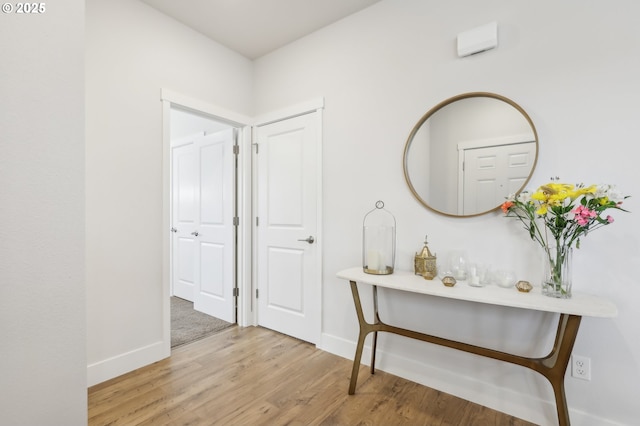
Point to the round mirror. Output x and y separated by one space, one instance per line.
469 152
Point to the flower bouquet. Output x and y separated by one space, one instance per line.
568 212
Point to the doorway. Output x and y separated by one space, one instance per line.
203 248
246 218
207 149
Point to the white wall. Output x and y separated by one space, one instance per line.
133 52
42 293
573 66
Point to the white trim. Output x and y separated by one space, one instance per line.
319 222
245 315
166 233
502 140
252 286
116 366
220 113
461 166
290 112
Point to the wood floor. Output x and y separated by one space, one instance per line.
254 376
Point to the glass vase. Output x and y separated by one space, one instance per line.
557 274
379 241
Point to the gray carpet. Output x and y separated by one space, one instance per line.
189 325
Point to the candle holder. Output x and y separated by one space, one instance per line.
458 264
378 241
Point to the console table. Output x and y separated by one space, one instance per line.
553 366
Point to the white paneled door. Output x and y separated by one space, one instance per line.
492 173
203 200
288 254
183 217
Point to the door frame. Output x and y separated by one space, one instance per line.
311 106
243 201
246 198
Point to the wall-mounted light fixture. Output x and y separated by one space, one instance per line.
478 39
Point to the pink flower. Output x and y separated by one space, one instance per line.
583 215
609 219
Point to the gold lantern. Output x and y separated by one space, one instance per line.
425 263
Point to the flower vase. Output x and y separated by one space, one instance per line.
557 278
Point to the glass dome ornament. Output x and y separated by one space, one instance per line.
379 241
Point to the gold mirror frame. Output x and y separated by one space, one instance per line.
437 108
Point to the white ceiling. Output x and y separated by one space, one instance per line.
254 28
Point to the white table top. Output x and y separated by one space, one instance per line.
579 303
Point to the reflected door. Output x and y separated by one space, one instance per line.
492 173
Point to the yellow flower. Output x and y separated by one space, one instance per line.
542 210
552 194
582 191
568 213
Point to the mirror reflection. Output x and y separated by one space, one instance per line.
469 152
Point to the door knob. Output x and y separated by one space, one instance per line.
174 230
309 239
195 233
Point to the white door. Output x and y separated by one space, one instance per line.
288 255
209 258
214 253
183 214
492 173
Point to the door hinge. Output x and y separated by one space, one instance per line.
256 293
236 221
236 292
257 221
257 147
236 149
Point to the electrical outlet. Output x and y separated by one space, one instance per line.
580 367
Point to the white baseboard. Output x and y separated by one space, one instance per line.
115 366
523 406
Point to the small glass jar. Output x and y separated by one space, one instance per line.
378 241
458 264
505 278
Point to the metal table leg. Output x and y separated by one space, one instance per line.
553 366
